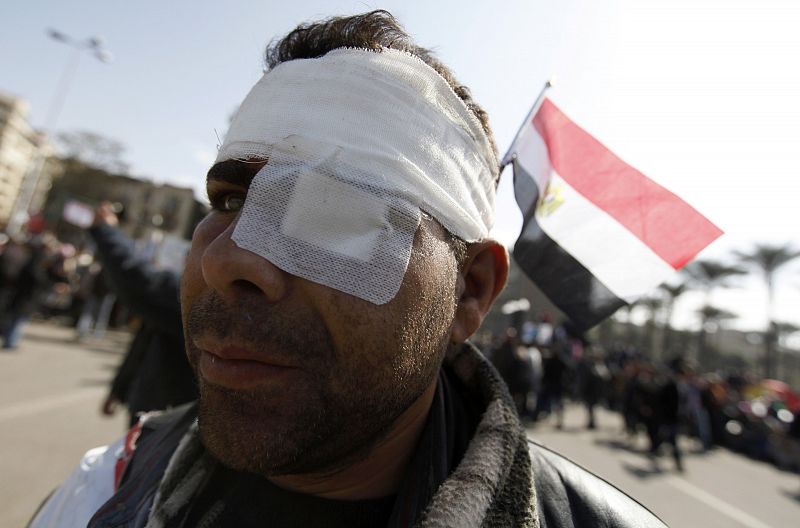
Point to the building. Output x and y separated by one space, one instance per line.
160 217
20 149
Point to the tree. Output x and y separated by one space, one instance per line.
708 275
767 260
786 329
783 330
710 316
94 150
671 293
649 344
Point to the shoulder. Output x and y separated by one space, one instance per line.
97 476
569 495
89 485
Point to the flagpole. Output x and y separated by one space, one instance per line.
511 154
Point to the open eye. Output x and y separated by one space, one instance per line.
233 202
227 202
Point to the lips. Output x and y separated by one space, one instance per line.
237 367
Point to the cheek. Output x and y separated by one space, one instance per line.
428 300
362 338
407 335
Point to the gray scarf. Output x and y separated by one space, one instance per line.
492 486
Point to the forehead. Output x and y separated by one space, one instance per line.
377 113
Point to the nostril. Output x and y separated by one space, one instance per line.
246 285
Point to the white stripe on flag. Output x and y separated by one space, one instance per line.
532 155
614 255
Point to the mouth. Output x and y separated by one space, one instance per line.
241 368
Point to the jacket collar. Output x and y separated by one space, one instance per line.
492 486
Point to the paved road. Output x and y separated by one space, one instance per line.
50 391
718 489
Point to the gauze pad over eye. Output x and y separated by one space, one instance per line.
327 223
357 143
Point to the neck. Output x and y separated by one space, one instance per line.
378 474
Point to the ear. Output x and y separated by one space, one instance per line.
481 279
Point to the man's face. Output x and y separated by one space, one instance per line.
295 376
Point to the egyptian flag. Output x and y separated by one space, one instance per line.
597 234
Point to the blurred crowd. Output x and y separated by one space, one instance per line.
545 364
108 282
41 276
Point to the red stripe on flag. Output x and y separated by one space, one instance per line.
673 229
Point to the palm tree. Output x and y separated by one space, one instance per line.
648 342
783 330
767 260
671 292
786 329
713 315
709 315
708 274
633 335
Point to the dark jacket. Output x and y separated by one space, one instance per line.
503 480
155 373
33 281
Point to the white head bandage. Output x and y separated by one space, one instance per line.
357 143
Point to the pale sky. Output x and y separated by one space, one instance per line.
702 96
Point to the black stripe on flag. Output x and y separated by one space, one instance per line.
564 280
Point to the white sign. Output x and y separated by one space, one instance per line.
78 213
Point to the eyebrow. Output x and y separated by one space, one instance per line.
236 172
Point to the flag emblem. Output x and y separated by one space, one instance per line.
552 199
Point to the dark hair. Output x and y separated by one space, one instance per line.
374 30
458 247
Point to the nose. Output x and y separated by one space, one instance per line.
235 272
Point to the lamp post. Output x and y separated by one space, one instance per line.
93 46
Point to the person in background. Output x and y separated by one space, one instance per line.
35 279
554 373
664 422
155 374
592 378
13 257
512 361
85 302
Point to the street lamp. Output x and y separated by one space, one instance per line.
92 45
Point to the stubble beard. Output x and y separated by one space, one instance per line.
329 419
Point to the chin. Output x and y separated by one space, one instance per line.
242 430
270 435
